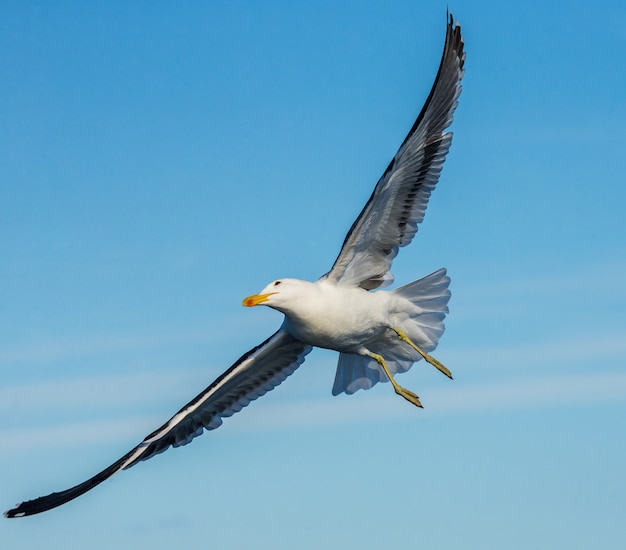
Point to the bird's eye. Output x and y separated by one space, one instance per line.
276 283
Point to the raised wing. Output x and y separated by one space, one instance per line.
390 217
255 373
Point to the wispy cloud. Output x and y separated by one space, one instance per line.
549 391
525 393
530 374
52 349
582 347
55 348
523 295
517 394
70 435
596 278
90 392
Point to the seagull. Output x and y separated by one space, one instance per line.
377 334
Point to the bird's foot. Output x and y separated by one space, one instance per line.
429 358
409 396
438 365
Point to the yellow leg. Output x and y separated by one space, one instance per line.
407 394
427 357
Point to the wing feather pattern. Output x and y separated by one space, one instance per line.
390 217
254 374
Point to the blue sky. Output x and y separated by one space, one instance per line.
159 163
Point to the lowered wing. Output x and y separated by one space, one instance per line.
390 217
255 373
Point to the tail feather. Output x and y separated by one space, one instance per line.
355 372
430 295
424 325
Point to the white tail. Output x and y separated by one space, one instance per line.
424 326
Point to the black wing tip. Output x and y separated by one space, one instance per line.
53 500
24 509
454 48
41 504
455 38
14 513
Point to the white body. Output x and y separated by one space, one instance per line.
343 319
357 322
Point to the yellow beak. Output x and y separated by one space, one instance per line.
257 299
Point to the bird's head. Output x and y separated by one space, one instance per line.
278 294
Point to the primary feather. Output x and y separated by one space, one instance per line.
397 205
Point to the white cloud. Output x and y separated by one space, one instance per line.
546 391
532 374
54 348
90 392
493 298
517 394
70 435
583 347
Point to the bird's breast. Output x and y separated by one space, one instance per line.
339 319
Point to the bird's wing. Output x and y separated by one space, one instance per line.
390 217
255 373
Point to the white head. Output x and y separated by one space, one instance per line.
281 294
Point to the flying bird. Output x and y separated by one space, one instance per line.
377 334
